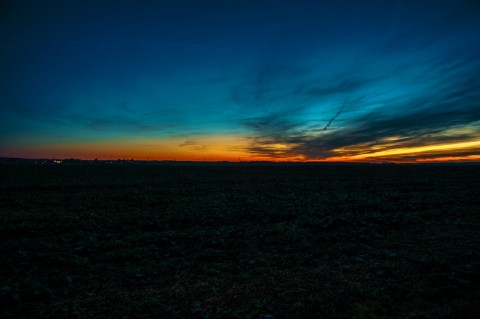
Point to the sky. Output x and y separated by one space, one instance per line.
244 80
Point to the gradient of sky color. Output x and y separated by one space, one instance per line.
241 80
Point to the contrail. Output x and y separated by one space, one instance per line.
340 112
336 115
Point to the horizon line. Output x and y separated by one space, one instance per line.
71 160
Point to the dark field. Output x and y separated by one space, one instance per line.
331 241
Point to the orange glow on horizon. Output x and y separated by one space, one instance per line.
410 154
212 148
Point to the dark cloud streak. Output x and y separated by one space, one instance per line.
450 100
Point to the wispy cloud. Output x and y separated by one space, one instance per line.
193 145
376 119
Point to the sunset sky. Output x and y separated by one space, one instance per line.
241 80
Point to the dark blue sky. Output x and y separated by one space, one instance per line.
338 80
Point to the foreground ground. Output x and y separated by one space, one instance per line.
383 241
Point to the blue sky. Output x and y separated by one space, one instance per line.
295 80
